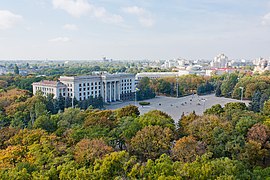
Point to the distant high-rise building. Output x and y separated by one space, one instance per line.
261 65
220 61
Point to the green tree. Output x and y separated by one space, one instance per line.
129 110
157 117
214 110
187 149
16 70
255 104
86 151
46 122
266 108
228 85
151 142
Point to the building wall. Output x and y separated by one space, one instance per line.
112 87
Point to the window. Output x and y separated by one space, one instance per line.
83 84
80 89
87 84
80 85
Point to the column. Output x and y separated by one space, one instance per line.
119 90
101 90
114 96
105 91
110 91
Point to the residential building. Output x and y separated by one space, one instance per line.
261 65
220 61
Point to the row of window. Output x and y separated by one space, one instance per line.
44 89
88 93
88 84
84 98
92 88
124 88
126 84
126 80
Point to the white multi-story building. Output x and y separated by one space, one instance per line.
156 75
221 61
50 87
111 87
261 65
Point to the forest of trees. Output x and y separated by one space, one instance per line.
44 138
228 142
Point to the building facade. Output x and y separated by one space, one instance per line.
50 87
221 61
111 87
261 65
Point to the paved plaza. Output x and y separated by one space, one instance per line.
176 106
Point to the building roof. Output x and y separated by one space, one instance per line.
49 83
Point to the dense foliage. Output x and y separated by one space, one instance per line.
44 138
228 142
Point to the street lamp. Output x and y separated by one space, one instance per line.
242 89
177 87
135 100
204 100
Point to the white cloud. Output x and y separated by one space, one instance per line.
60 39
77 8
144 17
8 19
266 20
101 13
71 27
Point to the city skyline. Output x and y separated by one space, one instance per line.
84 29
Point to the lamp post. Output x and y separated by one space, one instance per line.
135 100
204 100
177 87
242 89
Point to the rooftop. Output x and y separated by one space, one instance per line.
49 83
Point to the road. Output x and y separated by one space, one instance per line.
176 106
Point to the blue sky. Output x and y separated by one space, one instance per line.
138 29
